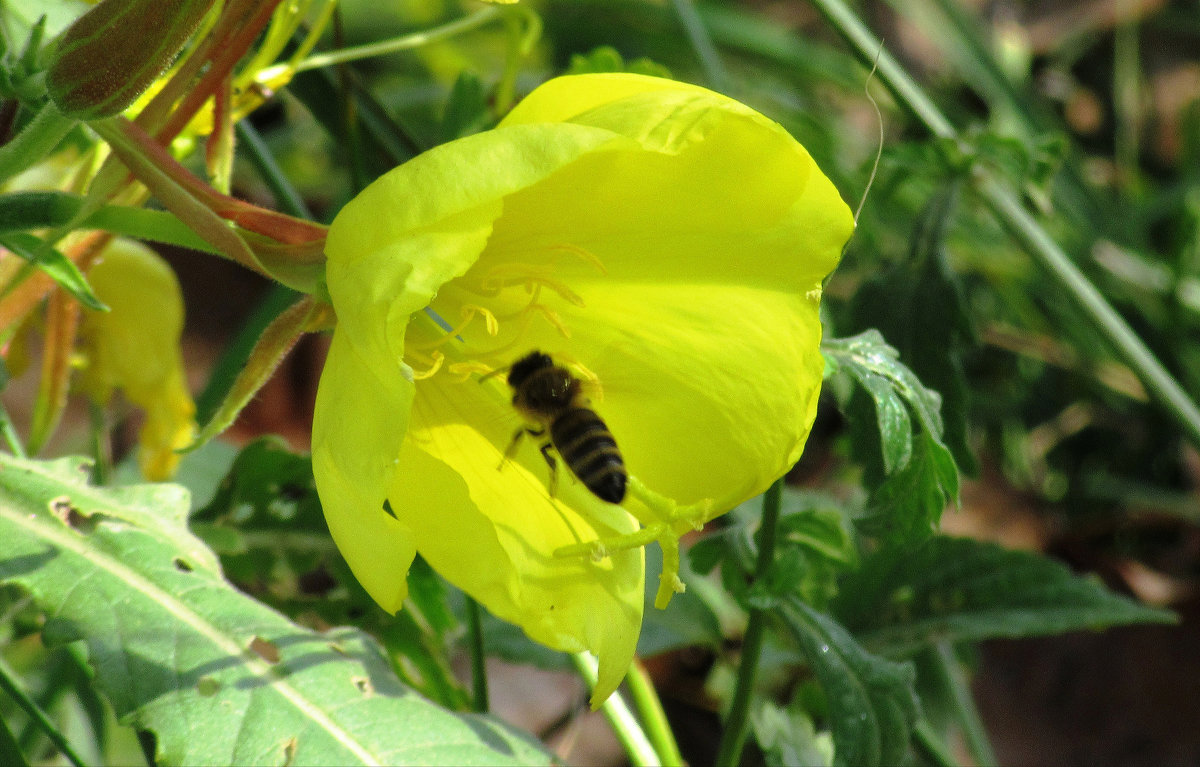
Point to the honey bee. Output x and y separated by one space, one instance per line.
549 395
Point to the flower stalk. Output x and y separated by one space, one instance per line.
737 722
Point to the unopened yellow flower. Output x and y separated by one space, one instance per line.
134 347
665 243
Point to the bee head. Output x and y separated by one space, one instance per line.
527 366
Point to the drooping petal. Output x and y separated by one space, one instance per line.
135 347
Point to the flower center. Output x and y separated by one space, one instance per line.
479 321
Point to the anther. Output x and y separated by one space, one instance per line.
438 358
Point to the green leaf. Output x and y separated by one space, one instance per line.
57 266
10 750
22 211
22 15
813 546
606 58
267 524
872 704
216 676
918 305
958 589
909 468
909 504
467 110
868 360
787 736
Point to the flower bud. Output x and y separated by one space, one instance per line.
112 53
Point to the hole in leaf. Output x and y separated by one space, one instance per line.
264 649
364 685
207 686
71 516
182 566
289 752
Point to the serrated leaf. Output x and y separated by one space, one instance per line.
958 589
266 521
787 736
872 703
908 498
606 58
869 360
909 504
918 305
217 677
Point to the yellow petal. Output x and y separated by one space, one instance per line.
135 347
488 526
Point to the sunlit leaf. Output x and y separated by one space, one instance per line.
216 676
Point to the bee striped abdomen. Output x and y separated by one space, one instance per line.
588 447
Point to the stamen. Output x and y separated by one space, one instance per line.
586 255
491 324
666 524
464 370
438 359
552 317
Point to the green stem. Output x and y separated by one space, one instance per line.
737 724
1013 216
870 51
1129 346
277 300
524 29
620 718
35 713
10 749
406 42
697 33
101 446
932 747
10 434
233 358
35 141
952 679
649 706
479 683
1126 95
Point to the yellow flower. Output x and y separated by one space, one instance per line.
135 347
665 243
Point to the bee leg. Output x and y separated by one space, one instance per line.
511 450
553 487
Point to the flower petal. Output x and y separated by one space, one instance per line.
141 358
487 525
